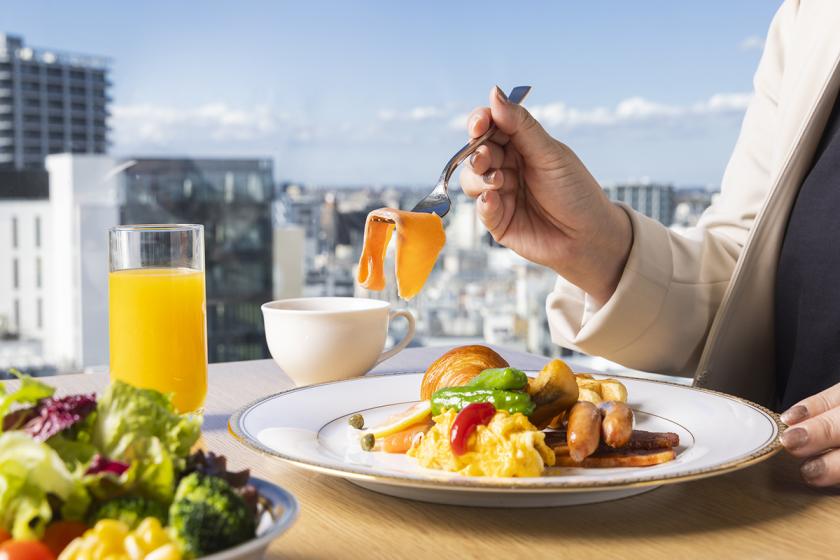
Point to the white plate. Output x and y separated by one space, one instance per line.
307 426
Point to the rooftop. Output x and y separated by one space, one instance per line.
13 46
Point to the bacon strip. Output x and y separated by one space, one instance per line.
640 440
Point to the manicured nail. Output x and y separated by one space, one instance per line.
501 95
813 469
489 176
794 414
794 438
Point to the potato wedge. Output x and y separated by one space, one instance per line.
553 391
589 395
591 384
613 390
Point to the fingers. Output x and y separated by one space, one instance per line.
491 212
473 184
486 157
813 406
814 435
479 121
523 130
823 470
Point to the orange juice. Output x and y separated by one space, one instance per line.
157 328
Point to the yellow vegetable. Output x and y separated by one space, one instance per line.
508 446
110 539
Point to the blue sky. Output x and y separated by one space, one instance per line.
374 92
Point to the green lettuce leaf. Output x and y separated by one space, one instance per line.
75 444
32 473
74 453
151 474
29 392
126 413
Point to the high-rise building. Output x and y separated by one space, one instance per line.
24 230
232 199
654 200
50 102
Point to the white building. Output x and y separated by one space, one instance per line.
54 267
23 231
84 203
288 259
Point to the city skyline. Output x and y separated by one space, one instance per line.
355 95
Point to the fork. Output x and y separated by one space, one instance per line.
437 201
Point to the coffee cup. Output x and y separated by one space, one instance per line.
319 339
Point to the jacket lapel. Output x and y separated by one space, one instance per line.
739 354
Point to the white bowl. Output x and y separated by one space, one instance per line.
274 522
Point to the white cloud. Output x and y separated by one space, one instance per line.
157 124
724 103
415 114
752 43
458 122
636 110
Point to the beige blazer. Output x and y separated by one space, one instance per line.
701 303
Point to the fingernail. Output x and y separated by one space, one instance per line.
794 414
794 438
473 121
472 158
813 469
501 95
484 196
489 176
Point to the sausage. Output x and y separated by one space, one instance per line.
584 430
617 426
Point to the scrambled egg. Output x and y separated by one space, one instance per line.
508 446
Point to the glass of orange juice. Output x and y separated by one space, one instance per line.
157 310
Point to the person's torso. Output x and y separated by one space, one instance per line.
807 291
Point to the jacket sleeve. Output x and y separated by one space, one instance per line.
673 283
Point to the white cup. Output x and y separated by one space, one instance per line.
320 339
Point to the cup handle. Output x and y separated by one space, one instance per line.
399 346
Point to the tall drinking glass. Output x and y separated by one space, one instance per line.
157 310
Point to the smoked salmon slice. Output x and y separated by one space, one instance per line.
420 238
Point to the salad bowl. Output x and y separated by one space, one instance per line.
95 476
281 512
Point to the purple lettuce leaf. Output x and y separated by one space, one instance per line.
101 464
52 415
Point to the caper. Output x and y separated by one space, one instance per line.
368 441
357 421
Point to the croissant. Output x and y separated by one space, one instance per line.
457 367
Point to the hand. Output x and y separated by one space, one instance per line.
537 198
814 434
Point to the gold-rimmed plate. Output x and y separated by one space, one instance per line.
308 427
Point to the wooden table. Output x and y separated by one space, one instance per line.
761 512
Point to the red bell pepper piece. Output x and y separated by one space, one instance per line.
465 423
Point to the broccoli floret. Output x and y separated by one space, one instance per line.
131 510
209 516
